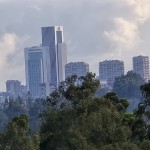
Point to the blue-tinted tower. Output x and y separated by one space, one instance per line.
36 69
52 37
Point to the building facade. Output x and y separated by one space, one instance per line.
76 68
52 37
13 87
110 69
36 59
45 65
141 66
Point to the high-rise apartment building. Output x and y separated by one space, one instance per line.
13 87
36 68
52 37
141 66
110 69
76 68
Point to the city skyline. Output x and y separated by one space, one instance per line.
113 29
108 69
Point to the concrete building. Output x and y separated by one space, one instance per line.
36 69
13 87
76 68
110 69
141 66
52 37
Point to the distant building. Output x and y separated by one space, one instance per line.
52 37
45 65
141 66
13 87
109 70
76 68
36 69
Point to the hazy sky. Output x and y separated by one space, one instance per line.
94 30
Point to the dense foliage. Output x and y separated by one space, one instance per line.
14 108
87 122
128 86
16 136
74 119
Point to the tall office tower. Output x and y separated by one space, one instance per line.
76 68
141 66
52 37
13 87
36 65
110 69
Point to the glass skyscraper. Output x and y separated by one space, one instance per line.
52 37
45 65
36 69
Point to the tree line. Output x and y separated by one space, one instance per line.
73 117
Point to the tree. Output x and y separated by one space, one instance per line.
74 90
35 109
15 108
140 126
121 104
128 85
3 120
144 145
122 146
102 91
88 123
77 129
16 136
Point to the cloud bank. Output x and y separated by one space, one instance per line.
94 31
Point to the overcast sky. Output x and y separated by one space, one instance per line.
94 30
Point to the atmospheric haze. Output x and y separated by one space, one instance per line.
94 31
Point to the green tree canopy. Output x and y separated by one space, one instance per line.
16 136
74 90
128 85
89 124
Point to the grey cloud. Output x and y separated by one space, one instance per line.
84 24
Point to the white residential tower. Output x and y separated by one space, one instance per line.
141 66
